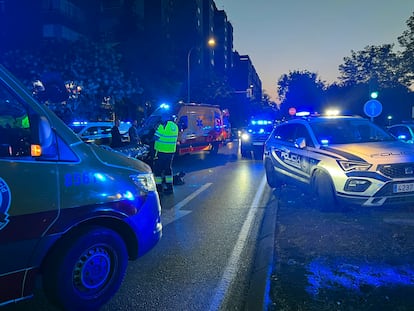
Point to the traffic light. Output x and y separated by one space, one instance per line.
374 94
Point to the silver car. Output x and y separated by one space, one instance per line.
403 132
342 160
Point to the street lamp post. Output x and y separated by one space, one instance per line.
211 43
188 73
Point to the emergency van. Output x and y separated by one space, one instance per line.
71 213
202 127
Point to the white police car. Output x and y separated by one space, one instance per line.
342 160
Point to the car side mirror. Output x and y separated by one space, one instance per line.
43 135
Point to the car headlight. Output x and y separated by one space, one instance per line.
348 166
145 182
245 136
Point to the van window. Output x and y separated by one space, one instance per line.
183 122
15 132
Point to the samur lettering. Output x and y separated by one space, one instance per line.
79 178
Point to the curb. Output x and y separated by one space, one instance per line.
257 296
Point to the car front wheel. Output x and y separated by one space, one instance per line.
85 269
272 178
324 192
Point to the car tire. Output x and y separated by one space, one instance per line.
258 154
272 178
245 153
85 269
324 192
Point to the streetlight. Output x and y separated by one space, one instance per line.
211 43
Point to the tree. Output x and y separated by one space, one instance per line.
377 65
91 71
302 90
406 40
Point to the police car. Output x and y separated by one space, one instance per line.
252 139
342 160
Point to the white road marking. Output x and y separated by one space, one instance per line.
176 212
232 267
399 221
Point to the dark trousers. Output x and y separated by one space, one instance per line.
163 169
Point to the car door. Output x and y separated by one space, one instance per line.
28 195
290 159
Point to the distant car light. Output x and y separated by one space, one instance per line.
332 112
245 136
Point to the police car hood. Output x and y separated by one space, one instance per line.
116 158
379 152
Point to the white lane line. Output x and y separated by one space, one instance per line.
176 212
399 221
232 267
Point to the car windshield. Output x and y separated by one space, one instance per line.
348 131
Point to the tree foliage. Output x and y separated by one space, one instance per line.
91 71
406 40
302 90
375 64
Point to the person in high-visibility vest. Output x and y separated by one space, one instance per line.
165 146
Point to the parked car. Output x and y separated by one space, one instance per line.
99 132
341 160
403 132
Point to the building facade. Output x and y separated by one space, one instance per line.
167 38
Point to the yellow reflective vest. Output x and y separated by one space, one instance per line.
167 137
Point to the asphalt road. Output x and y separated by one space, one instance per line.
205 258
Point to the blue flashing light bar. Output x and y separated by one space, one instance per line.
165 106
261 122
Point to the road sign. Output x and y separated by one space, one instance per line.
373 108
292 111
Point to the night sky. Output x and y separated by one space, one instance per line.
315 35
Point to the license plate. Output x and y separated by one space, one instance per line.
407 187
258 144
